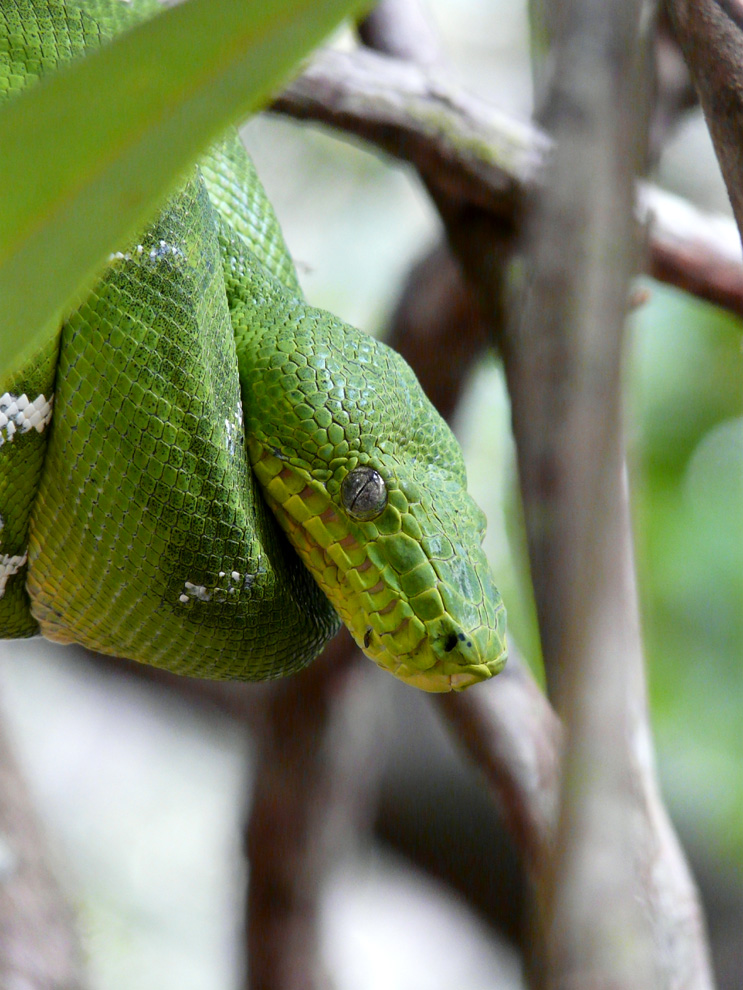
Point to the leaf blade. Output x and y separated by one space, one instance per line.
114 130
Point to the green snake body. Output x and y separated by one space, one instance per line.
226 469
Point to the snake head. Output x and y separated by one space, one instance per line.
369 484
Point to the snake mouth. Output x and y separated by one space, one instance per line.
436 680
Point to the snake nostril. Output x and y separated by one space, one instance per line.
450 642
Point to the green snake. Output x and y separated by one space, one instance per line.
202 472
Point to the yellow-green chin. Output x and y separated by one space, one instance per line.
437 681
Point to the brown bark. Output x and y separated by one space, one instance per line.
711 36
314 784
475 156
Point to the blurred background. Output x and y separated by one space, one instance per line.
143 794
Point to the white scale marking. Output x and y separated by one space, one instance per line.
164 249
199 592
125 255
18 414
195 591
153 254
8 567
234 428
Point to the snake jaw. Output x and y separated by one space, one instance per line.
426 669
433 682
444 678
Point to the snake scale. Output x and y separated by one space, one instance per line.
203 472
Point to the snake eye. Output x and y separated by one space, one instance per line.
363 493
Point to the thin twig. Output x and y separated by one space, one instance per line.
692 250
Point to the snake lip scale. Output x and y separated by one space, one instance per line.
228 471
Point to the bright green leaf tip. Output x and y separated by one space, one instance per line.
90 153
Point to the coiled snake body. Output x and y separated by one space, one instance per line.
202 471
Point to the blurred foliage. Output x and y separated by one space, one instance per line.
687 413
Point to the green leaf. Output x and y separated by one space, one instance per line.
90 152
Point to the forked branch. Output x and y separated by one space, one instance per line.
475 155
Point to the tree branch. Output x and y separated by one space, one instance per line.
418 114
564 382
476 156
314 783
514 738
692 250
711 36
